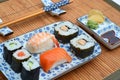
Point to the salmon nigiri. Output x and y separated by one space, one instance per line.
41 42
54 57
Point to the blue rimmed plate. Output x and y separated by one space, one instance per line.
57 71
103 28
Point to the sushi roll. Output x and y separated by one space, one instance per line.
18 57
82 46
30 70
54 57
65 31
9 48
41 42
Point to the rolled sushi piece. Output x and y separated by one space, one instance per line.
9 48
41 42
18 57
82 46
54 57
30 70
65 31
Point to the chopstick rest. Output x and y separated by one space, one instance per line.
56 5
55 12
4 31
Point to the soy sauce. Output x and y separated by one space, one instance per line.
110 35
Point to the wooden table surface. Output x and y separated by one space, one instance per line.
97 69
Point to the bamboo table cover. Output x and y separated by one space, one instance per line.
97 69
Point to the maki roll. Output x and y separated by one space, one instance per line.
65 31
9 48
54 57
18 57
82 46
41 42
30 70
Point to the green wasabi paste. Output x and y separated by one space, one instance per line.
92 24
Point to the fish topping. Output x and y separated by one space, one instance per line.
21 54
64 28
82 41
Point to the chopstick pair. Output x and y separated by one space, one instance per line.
40 11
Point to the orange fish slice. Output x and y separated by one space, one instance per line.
53 58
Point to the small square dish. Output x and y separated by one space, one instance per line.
108 33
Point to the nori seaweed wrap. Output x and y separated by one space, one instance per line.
65 31
9 48
30 70
18 57
82 46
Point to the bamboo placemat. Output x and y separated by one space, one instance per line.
13 9
99 68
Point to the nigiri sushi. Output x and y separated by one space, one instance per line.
41 42
54 57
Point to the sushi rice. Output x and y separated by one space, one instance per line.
41 42
30 69
89 42
65 31
82 46
9 48
71 29
30 64
12 45
26 54
18 57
